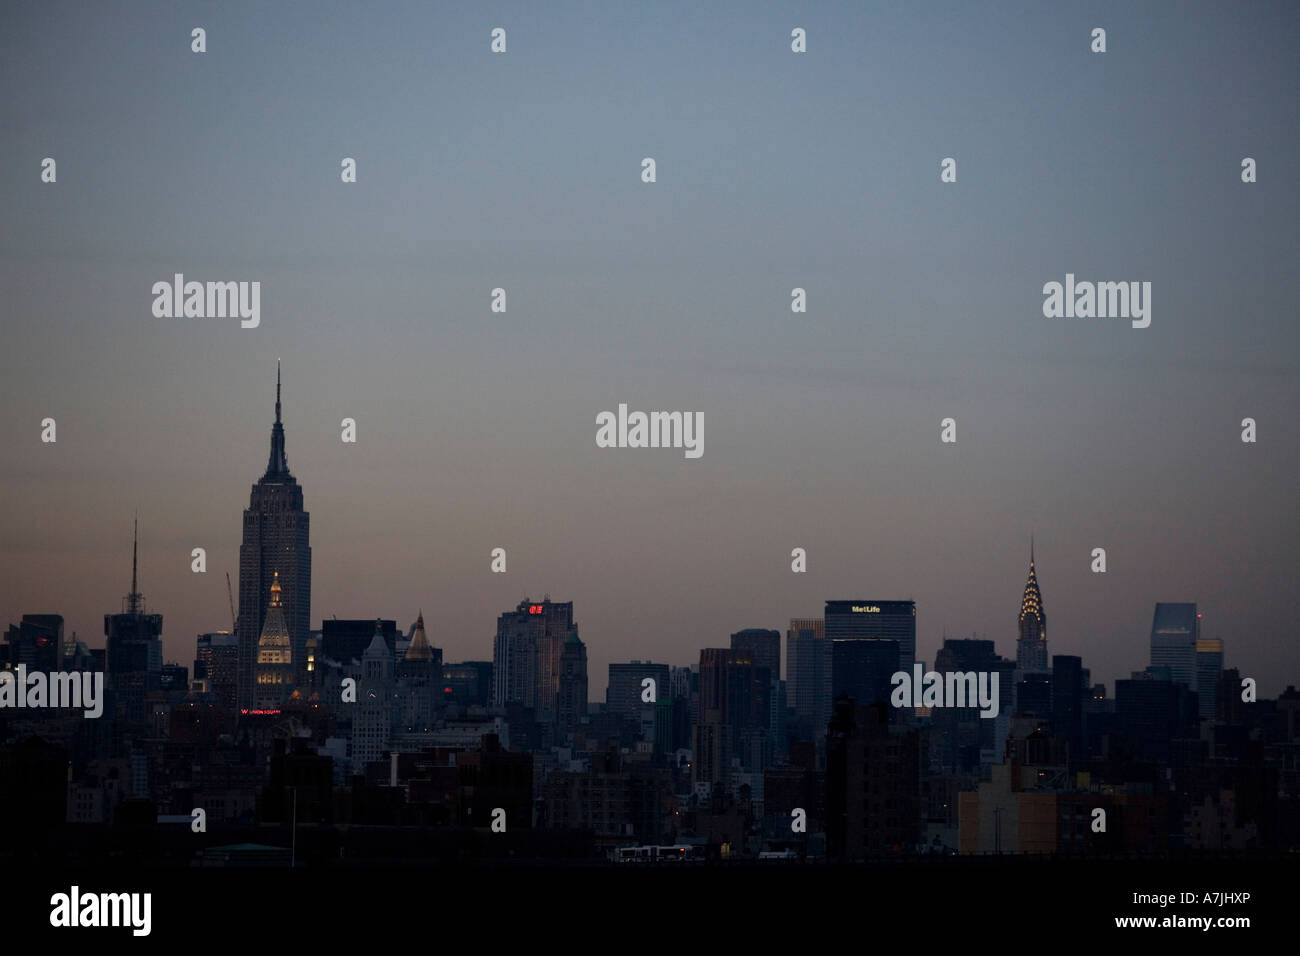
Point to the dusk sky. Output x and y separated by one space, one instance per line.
522 170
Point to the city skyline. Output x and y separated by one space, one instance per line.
982 590
277 471
776 170
277 468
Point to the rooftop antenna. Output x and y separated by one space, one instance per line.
230 596
134 603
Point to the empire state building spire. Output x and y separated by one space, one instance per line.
277 467
274 561
1031 648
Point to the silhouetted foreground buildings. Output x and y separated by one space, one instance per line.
360 734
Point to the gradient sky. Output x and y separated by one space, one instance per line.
477 430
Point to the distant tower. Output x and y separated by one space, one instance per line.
1031 649
1209 668
133 658
572 705
275 670
526 657
1175 629
372 727
808 678
418 672
275 544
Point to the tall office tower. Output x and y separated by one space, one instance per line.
527 656
712 742
862 670
734 721
749 712
626 688
1069 687
572 706
1209 665
275 670
713 682
419 675
1228 705
875 621
1174 632
808 678
275 542
685 683
1031 647
962 739
133 654
372 725
216 660
37 642
763 647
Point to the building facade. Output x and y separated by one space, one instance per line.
875 621
1175 629
275 544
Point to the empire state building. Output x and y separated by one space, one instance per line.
275 548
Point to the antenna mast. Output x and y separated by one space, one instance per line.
234 628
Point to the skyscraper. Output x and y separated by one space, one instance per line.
734 717
875 621
133 655
1068 689
962 739
749 711
862 670
712 744
372 725
526 662
419 675
1209 665
1031 647
1175 629
763 647
275 543
808 677
572 705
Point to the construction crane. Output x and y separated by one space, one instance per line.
230 596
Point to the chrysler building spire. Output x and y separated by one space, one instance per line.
1031 648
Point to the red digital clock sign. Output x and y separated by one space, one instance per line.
534 609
